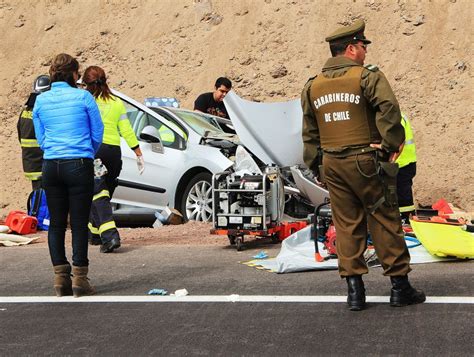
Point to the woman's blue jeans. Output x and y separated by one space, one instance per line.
69 186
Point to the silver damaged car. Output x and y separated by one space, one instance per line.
181 149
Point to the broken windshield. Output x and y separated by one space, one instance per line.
199 122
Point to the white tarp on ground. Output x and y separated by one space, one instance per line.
10 240
297 254
272 131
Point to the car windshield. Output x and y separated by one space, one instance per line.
199 122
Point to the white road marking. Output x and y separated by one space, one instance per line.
220 298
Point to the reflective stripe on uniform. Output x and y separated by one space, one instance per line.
408 154
407 208
27 114
92 229
29 143
33 175
103 193
106 226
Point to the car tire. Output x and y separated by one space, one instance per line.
196 203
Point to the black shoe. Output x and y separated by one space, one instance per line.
403 293
95 240
356 293
108 247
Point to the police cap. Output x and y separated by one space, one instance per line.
348 34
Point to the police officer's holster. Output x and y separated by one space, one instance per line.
101 223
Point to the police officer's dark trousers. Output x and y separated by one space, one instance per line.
352 197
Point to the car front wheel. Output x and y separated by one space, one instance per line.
196 204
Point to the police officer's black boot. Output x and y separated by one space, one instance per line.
356 293
403 293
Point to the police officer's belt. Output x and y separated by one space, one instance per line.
349 152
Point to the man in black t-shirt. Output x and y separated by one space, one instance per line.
213 102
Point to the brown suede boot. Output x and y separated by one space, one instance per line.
80 282
62 280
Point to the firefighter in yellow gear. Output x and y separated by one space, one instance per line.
102 226
407 164
32 155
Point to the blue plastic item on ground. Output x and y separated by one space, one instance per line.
261 255
415 242
157 292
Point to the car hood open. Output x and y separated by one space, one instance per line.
272 131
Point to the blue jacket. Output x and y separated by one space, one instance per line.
67 123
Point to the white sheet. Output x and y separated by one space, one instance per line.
297 254
10 240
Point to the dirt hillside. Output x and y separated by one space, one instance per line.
268 48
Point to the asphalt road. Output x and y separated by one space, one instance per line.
224 328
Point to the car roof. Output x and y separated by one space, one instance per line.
145 108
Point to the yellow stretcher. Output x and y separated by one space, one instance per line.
444 239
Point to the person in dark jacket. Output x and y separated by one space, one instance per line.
69 131
31 154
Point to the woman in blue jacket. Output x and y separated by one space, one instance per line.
69 130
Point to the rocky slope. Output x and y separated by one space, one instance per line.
268 48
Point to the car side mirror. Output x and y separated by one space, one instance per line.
151 135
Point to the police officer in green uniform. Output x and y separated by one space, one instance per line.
352 119
32 155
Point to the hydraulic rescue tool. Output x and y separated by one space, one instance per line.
252 205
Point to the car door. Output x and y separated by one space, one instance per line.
163 167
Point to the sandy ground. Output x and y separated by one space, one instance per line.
189 234
269 48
